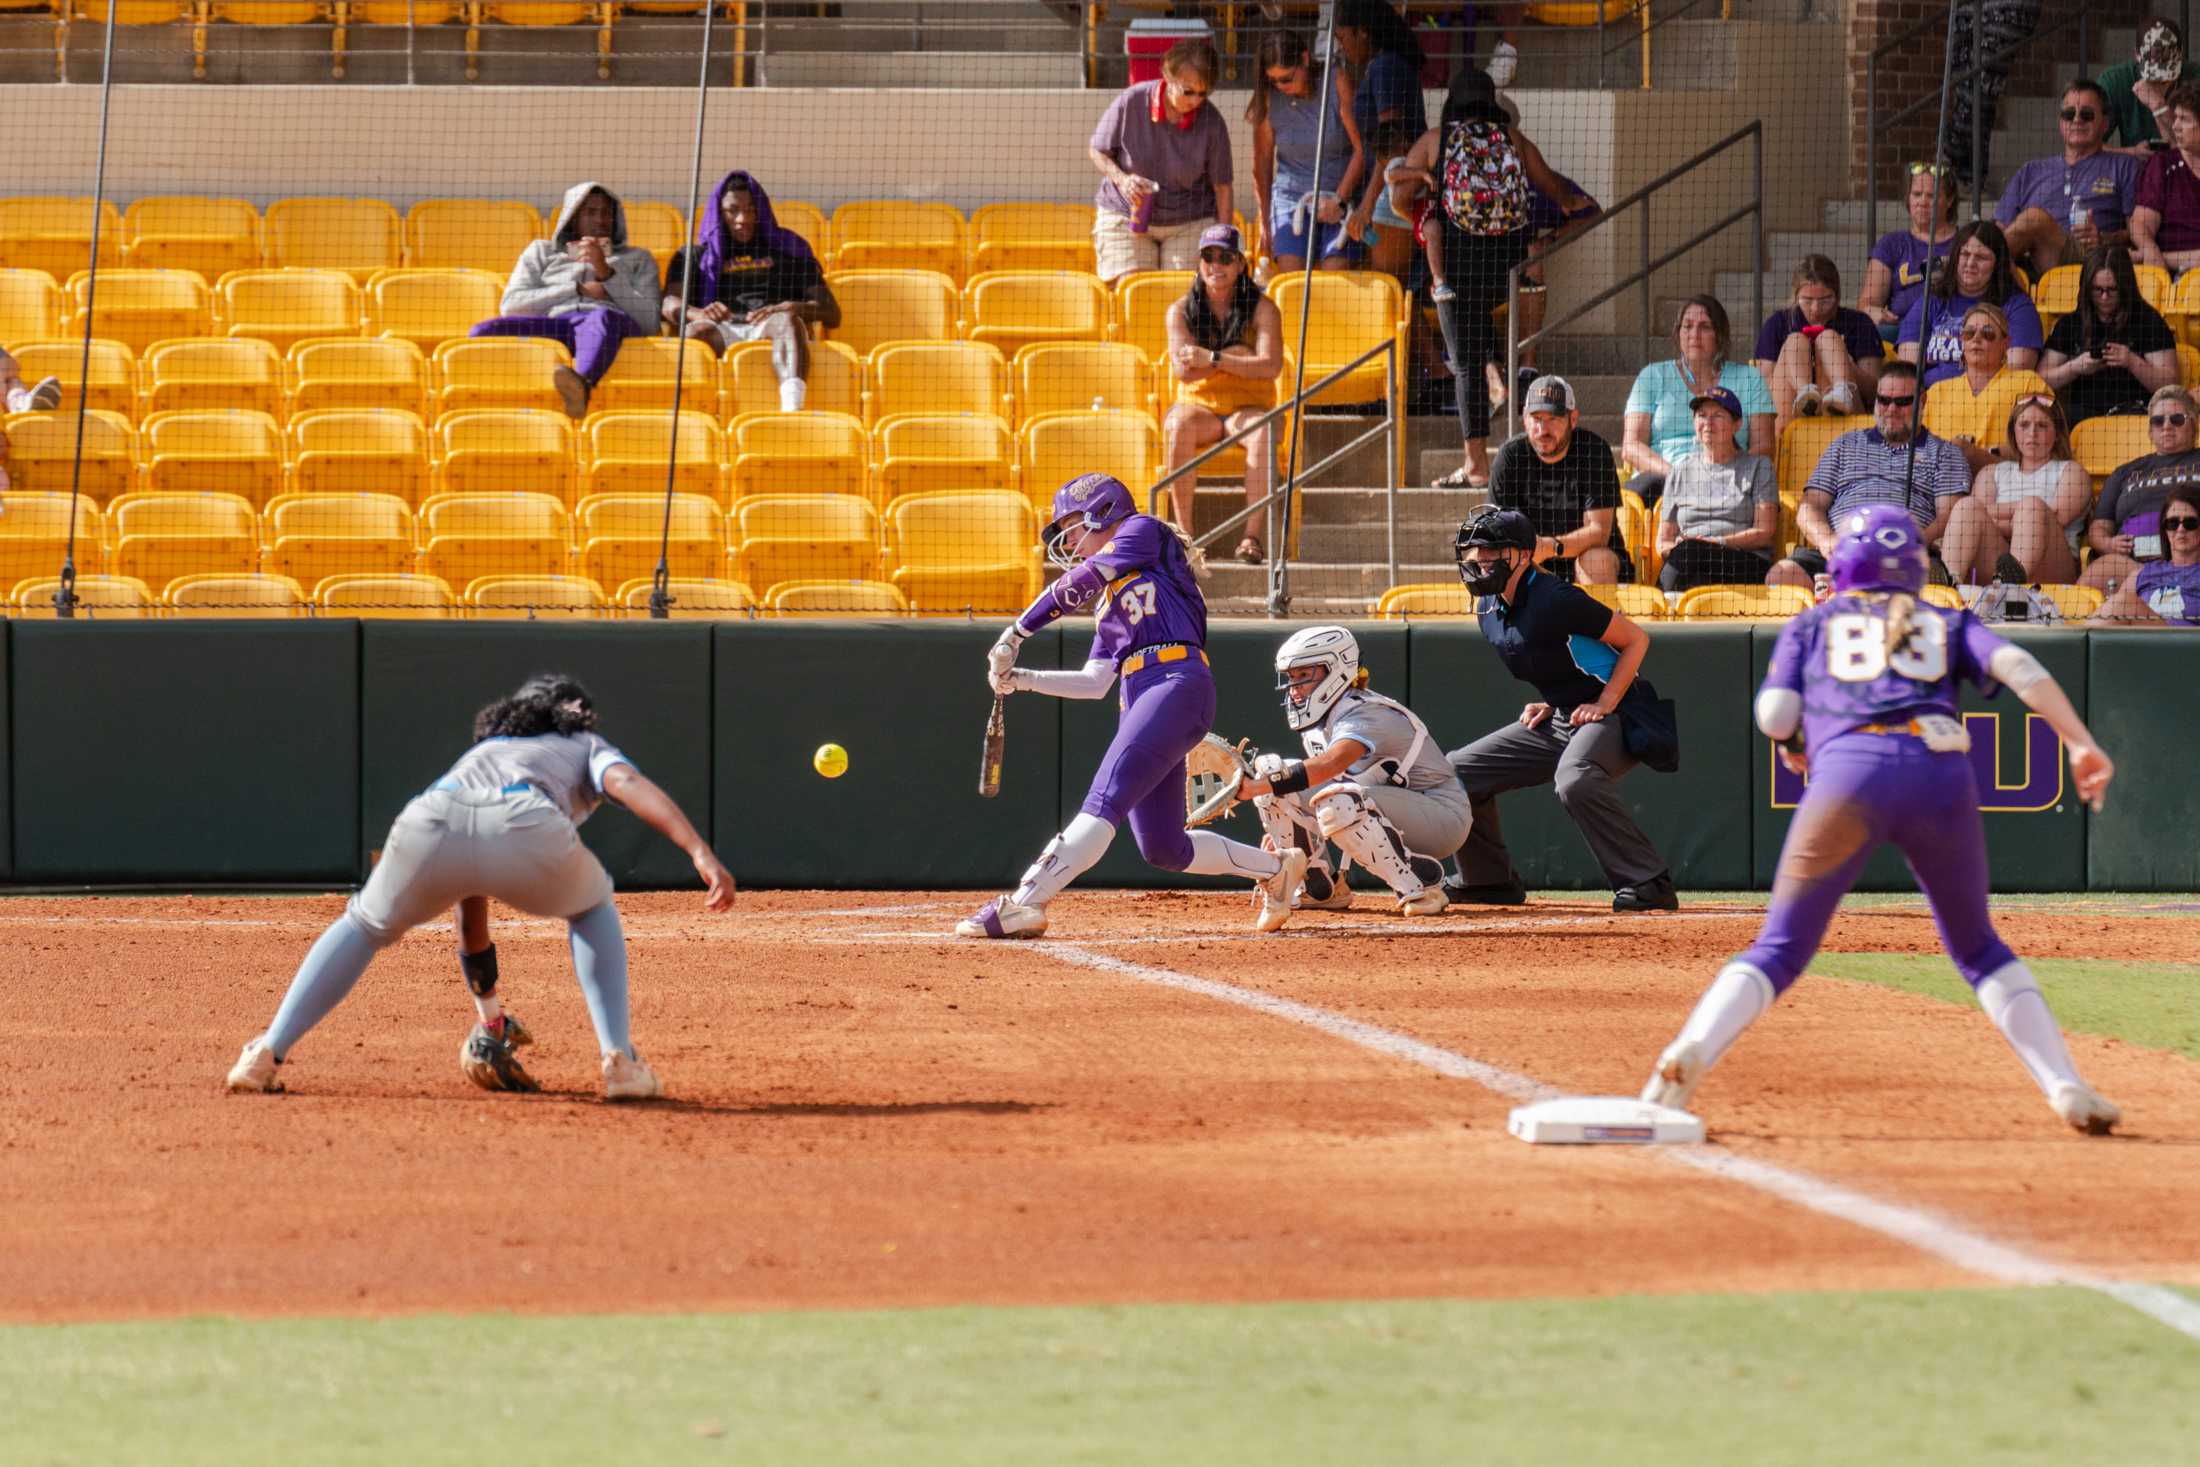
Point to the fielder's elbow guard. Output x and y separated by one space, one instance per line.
480 970
1779 713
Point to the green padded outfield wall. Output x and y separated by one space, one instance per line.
2144 706
7 764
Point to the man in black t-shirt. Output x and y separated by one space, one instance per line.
751 280
1561 477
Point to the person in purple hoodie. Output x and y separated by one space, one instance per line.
750 280
1862 696
1131 573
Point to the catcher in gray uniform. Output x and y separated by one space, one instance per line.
1373 781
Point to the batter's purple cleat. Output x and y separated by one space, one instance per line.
1003 918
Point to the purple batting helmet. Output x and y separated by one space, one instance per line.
1880 550
1087 502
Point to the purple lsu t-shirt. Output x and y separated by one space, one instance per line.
1835 655
2171 590
1903 253
1151 596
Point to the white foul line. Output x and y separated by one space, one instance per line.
1939 1237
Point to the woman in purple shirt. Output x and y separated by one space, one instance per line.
1816 353
2165 590
1977 269
1895 277
1164 161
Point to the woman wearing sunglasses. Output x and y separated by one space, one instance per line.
2165 221
1164 161
1302 209
2126 531
2165 590
1895 277
2115 349
1976 269
1972 408
2028 506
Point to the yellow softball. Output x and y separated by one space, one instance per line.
830 760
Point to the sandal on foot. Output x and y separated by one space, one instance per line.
1461 478
1249 551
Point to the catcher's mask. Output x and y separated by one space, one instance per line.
1315 668
1087 502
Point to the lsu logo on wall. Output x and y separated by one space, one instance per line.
2037 787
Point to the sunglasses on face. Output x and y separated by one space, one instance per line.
2181 522
1981 333
2167 420
2079 114
1195 93
1216 257
1896 402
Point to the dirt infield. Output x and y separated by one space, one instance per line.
867 1112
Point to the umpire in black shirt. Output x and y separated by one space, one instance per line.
1592 722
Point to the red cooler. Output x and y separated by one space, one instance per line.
1148 41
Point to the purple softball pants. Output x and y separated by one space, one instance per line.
1167 708
593 337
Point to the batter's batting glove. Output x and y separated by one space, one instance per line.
488 1059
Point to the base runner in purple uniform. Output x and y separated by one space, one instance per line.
1150 630
1869 680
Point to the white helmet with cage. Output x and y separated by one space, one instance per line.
1315 668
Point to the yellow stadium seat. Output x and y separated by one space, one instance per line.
42 451
1075 376
1031 237
882 306
2184 307
691 598
1642 602
285 307
804 453
470 234
1055 450
2188 363
232 453
660 229
157 537
140 307
900 234
30 306
358 236
2056 295
837 598
1353 311
752 386
535 598
211 374
208 236
380 598
114 373
2104 445
793 537
1946 597
248 597
1142 302
515 450
1013 309
360 373
944 377
400 12
467 536
2155 287
807 220
918 455
138 12
626 453
948 552
430 307
34 535
1803 444
2076 603
99 598
270 12
1435 598
1712 603
359 451
1582 12
643 377
314 536
54 233
543 12
620 535
498 372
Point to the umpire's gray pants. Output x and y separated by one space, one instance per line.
517 847
1583 766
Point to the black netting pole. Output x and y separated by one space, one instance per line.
1932 243
660 589
64 596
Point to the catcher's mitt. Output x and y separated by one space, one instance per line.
489 1059
1212 773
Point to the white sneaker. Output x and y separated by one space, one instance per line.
1675 1079
628 1078
1275 892
1003 918
46 396
255 1069
1427 902
2084 1109
1842 401
1504 62
1808 404
1322 891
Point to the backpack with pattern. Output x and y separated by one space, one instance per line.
1485 189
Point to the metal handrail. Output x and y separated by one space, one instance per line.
1515 342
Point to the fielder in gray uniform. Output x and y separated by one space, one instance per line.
1373 781
501 824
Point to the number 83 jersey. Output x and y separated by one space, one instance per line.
1836 657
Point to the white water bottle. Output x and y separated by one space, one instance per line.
2079 215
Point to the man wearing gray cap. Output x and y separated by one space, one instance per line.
1560 475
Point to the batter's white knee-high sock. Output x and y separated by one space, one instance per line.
1730 1005
1218 855
599 962
1068 856
2012 999
325 978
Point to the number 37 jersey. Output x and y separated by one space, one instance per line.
1836 656
1151 596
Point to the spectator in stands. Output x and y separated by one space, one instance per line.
2167 589
1164 161
585 287
41 397
751 281
2108 355
1896 274
1876 465
1660 424
1971 409
1721 507
2126 532
2165 225
1560 475
2027 506
1300 213
1977 269
2138 90
1225 351
1552 218
1815 352
1387 57
1988 33
2055 210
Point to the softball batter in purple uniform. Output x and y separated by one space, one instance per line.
1869 679
1150 630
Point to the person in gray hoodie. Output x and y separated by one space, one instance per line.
585 286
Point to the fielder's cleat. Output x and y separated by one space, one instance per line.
46 396
255 1069
1654 895
1497 894
627 1077
486 1058
1429 901
1675 1079
1322 891
1275 892
2085 1109
1003 918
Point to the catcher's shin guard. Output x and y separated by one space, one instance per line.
1360 831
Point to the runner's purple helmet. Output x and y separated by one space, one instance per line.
1880 550
1088 502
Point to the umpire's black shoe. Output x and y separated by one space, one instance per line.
1501 894
1654 895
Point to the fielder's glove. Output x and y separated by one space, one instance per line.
489 1061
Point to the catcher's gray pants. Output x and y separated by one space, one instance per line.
1430 822
516 846
1583 766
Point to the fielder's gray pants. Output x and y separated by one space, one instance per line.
447 844
1583 766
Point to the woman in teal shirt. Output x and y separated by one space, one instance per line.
1660 424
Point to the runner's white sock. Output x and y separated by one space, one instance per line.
1730 1005
1068 856
488 1008
1218 855
2012 999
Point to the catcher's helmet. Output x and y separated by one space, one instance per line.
1880 550
1335 653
